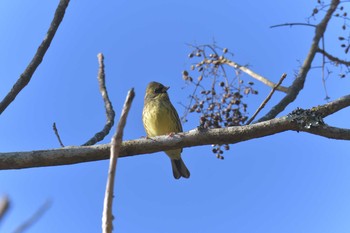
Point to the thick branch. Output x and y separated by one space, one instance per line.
298 83
255 75
332 58
38 57
230 135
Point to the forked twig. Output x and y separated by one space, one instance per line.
108 105
107 217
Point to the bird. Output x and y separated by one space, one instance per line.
160 118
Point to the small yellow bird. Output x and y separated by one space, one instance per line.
160 118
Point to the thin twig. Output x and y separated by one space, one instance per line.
57 134
108 105
293 24
37 59
34 218
323 70
4 206
255 75
262 105
107 217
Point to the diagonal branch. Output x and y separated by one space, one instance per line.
38 57
107 217
255 75
262 105
108 105
196 137
332 58
34 218
298 83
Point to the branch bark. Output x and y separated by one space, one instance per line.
4 206
107 216
298 83
333 58
38 57
110 114
230 135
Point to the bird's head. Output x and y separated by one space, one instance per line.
156 90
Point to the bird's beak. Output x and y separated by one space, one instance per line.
166 88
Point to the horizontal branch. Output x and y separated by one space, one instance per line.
196 137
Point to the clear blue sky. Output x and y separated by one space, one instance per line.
290 182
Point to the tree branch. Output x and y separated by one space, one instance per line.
262 105
4 206
38 57
107 216
57 134
255 75
110 114
34 218
298 83
293 24
332 58
196 137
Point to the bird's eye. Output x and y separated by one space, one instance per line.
158 90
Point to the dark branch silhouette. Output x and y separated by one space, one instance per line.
38 57
57 134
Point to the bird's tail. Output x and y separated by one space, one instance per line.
179 168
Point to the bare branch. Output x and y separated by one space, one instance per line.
262 105
4 206
108 105
34 218
57 134
255 75
230 135
298 83
38 57
332 58
293 24
107 216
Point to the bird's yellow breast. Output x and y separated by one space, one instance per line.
159 119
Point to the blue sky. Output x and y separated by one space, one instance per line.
290 182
